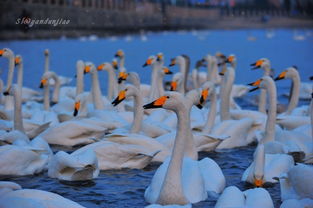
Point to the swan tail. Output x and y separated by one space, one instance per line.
32 134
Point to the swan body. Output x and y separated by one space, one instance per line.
254 198
15 196
113 155
32 157
266 166
296 183
73 167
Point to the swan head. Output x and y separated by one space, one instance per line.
89 67
114 64
6 52
160 57
18 60
149 61
288 73
128 91
119 54
170 101
43 83
206 90
176 81
80 101
166 70
231 59
264 83
122 76
46 52
104 66
261 63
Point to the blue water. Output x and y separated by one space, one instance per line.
125 188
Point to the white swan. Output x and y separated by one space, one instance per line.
252 198
14 196
266 166
288 119
238 130
63 80
275 139
32 155
112 81
265 64
181 180
297 185
183 61
73 167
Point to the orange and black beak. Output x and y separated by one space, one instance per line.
87 69
204 95
43 83
115 64
167 70
230 59
157 103
222 73
17 61
121 96
173 86
119 54
281 76
173 62
258 182
159 57
122 77
148 62
256 84
76 108
1 52
100 67
257 64
7 92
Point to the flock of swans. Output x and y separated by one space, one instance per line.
128 129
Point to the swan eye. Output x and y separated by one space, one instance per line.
167 97
126 89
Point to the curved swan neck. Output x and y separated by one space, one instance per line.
79 77
47 62
57 86
259 162
96 91
112 85
18 122
11 70
20 75
263 95
208 126
46 98
295 90
138 112
226 92
122 62
271 117
173 177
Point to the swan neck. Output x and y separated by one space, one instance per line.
57 86
79 80
11 71
138 113
271 117
173 177
112 86
20 75
160 84
211 115
46 98
226 92
96 92
156 67
18 122
47 63
295 90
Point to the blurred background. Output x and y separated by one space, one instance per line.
107 17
